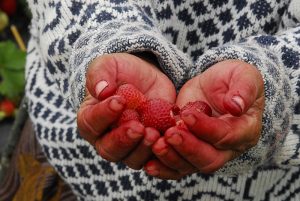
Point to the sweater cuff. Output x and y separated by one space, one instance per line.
278 101
115 37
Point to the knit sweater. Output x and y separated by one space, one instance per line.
186 37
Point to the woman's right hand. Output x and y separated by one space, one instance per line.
130 142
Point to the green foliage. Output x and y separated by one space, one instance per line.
12 65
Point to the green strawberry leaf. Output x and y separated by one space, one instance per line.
12 65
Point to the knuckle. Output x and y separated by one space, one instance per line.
236 142
213 166
226 141
192 153
83 125
105 155
122 141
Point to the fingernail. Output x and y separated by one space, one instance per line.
100 86
152 170
189 119
115 105
160 147
133 135
239 102
151 136
175 139
148 143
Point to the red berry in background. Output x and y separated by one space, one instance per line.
7 107
134 98
159 114
8 6
199 106
128 115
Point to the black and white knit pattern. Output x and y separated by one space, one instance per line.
187 37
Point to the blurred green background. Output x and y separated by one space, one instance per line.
14 15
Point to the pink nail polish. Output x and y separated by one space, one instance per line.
175 139
100 87
160 147
148 143
115 105
133 135
239 102
151 170
189 119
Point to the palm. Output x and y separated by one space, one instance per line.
220 83
219 86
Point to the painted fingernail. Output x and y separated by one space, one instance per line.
151 136
133 135
189 119
147 142
115 105
239 102
151 170
100 86
160 147
175 139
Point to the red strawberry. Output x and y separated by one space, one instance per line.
199 106
128 115
7 107
159 114
134 98
8 6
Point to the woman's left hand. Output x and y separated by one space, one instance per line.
235 91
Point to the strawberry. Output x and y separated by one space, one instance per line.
156 113
7 107
199 106
134 98
159 114
128 115
8 6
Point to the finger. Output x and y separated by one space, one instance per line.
227 132
107 72
245 86
101 77
205 157
170 158
117 144
137 159
94 117
159 170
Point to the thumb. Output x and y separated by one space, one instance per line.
245 87
101 77
107 72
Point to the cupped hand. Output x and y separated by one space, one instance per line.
130 142
235 91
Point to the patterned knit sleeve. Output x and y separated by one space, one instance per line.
73 33
277 57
